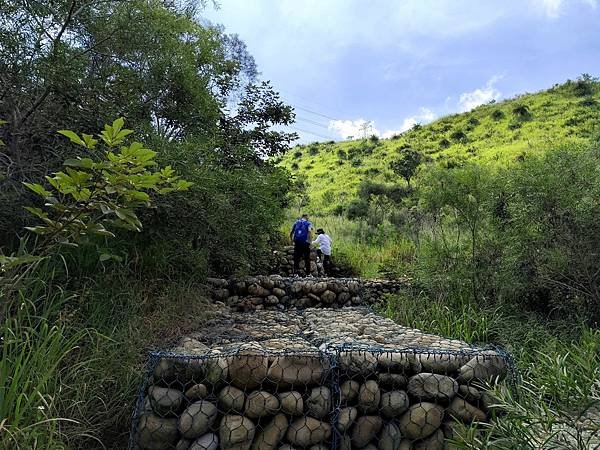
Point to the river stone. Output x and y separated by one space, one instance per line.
291 403
433 442
345 443
441 363
349 391
369 397
469 393
431 386
272 300
328 297
346 418
421 420
248 369
196 392
296 370
343 297
231 399
485 367
390 437
209 441
278 292
236 432
391 380
357 362
272 433
318 403
261 403
462 410
396 362
157 433
393 404
307 431
165 401
405 444
197 419
365 429
319 288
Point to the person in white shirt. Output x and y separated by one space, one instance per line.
324 250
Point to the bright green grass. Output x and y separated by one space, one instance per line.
557 115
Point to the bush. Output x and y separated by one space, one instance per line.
341 154
357 209
297 154
498 114
459 136
313 150
294 166
444 143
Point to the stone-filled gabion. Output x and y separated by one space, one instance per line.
277 292
280 394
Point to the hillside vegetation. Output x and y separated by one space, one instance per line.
496 134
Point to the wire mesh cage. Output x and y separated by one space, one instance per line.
351 396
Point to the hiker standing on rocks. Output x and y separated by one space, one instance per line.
301 234
324 251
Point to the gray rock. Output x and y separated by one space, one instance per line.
307 431
261 403
433 442
196 392
485 367
318 403
441 363
165 401
278 292
349 391
209 441
231 400
217 369
357 362
462 410
391 380
393 404
469 393
346 418
328 297
272 433
319 288
297 370
249 367
197 419
157 433
369 397
405 444
398 362
431 386
390 437
236 432
291 403
421 420
365 429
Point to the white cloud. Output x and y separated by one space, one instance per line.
426 115
470 100
360 128
353 128
554 8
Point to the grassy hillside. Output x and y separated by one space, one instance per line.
496 134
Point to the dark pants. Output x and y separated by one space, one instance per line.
326 262
301 250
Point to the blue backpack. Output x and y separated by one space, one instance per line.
301 228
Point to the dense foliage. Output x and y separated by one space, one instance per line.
104 243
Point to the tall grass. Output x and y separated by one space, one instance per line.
557 403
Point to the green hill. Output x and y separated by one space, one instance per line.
495 133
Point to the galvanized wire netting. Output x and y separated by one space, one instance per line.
350 396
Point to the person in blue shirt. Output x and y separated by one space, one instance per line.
301 235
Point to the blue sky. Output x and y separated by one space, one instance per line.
390 64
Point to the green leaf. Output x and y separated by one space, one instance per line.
73 137
3 122
36 212
105 257
38 229
90 142
38 189
85 163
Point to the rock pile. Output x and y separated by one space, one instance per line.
277 292
331 378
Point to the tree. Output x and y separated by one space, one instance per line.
407 165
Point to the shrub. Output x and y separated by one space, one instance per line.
498 114
408 164
294 166
444 143
473 121
357 162
357 209
459 136
521 112
341 153
313 150
297 154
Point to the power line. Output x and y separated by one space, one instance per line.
313 122
314 112
313 133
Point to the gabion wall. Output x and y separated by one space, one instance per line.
277 292
345 397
